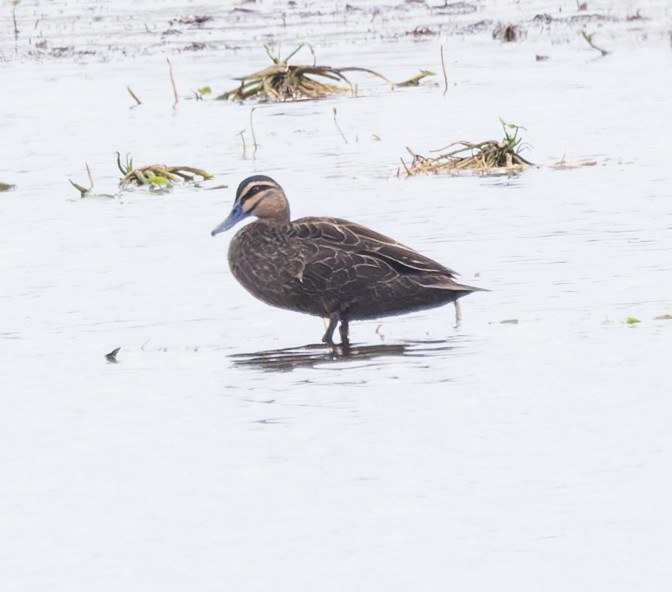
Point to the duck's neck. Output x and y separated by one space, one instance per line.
278 220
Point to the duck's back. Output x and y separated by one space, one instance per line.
326 265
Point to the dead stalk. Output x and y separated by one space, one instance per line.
16 29
338 127
135 97
172 82
254 137
445 76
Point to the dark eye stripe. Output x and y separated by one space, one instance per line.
252 191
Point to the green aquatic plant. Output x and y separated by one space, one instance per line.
629 322
511 141
199 93
156 176
290 82
488 157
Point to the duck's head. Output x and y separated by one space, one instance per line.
258 196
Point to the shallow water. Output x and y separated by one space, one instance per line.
226 450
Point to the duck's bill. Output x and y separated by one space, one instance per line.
234 217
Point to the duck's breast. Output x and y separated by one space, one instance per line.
269 262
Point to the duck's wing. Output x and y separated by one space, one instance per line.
334 234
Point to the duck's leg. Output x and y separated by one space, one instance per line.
328 337
458 313
344 330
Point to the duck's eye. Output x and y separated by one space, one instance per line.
253 191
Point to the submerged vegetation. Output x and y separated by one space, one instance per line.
489 156
156 176
284 82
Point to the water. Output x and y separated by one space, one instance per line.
226 450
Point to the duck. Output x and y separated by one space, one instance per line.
329 267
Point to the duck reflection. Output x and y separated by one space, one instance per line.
309 356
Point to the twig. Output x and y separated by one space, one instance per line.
172 81
310 47
445 76
340 131
135 97
589 39
254 137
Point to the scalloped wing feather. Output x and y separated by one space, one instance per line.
357 239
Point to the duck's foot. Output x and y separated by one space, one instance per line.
458 314
343 330
328 336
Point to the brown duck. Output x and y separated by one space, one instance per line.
328 267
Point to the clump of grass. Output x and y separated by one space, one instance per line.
290 82
490 156
156 176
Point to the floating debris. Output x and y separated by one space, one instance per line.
193 20
112 356
156 176
488 157
563 164
636 17
285 82
509 33
6 187
664 317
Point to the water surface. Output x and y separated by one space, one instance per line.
226 450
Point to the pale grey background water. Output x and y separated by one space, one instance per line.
497 456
